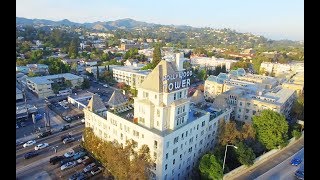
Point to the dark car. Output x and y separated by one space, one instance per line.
44 134
22 124
31 154
64 161
54 160
65 127
68 140
65 136
87 161
78 176
296 161
299 174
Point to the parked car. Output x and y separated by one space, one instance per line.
68 165
31 154
87 161
22 124
78 155
56 159
18 142
65 127
78 176
80 160
41 146
299 174
296 161
44 134
68 140
68 154
96 170
105 85
65 160
65 136
29 143
89 167
82 121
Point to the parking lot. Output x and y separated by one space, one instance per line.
66 111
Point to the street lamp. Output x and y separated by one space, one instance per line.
225 153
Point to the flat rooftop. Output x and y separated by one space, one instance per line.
132 69
194 114
47 79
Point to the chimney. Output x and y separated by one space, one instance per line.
179 61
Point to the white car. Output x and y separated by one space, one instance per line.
29 143
82 159
41 146
96 170
68 165
82 121
89 167
68 154
105 85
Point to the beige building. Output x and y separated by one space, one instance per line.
281 69
42 85
248 105
130 75
163 118
125 47
212 62
295 83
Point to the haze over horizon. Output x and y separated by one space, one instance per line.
273 19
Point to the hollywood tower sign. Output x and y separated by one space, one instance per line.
176 81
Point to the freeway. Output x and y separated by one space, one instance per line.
284 170
258 170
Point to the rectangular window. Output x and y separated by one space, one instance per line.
175 150
180 94
240 103
174 96
176 139
166 167
186 133
247 110
203 123
167 156
174 161
158 113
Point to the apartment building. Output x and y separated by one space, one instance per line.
215 85
176 132
42 85
130 75
280 69
279 100
212 62
35 68
296 82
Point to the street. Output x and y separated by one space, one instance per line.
270 163
284 170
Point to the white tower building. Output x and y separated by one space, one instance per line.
163 119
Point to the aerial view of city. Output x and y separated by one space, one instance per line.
163 90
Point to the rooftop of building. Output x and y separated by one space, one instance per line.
132 69
194 114
47 79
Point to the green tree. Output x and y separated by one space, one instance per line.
298 107
202 74
68 83
74 67
73 49
156 58
296 133
271 128
229 133
246 155
85 84
31 74
210 168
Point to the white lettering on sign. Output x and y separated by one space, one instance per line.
177 80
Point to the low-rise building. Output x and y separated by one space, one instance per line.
42 85
35 68
102 69
130 75
212 63
125 47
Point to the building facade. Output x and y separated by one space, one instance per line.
212 62
42 85
163 118
130 75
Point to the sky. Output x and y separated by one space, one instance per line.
273 19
